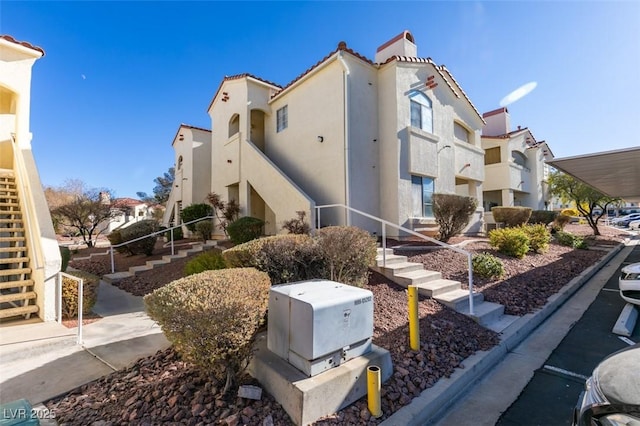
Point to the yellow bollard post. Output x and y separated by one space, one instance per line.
373 390
414 320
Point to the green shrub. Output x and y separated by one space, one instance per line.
212 318
539 237
193 212
177 234
511 216
115 238
347 252
487 265
543 217
510 241
204 229
289 258
570 240
207 261
65 255
297 225
245 229
90 284
137 230
452 213
560 222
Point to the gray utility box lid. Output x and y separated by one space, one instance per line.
316 325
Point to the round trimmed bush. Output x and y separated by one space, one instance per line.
245 229
487 265
207 261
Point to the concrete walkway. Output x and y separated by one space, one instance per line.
39 361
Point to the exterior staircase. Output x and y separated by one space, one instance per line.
448 292
17 295
117 276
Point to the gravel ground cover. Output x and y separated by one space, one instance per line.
162 389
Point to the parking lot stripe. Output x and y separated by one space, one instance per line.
564 372
610 289
627 340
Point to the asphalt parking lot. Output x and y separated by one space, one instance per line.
550 396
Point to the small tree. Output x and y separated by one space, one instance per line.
162 189
452 213
193 212
297 225
85 212
226 213
587 199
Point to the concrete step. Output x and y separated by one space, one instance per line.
17 271
12 249
154 263
391 259
500 324
388 251
14 312
438 287
458 300
13 297
399 268
484 313
136 269
10 260
116 276
15 284
417 277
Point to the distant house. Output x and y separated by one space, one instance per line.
514 161
29 253
127 211
192 179
380 136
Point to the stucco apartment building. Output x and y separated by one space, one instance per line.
380 136
515 165
29 254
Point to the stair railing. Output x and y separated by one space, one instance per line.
386 223
164 231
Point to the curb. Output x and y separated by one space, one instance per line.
428 407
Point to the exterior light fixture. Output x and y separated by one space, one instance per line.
320 139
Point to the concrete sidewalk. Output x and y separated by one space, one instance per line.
39 361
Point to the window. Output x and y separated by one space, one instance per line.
519 158
460 132
422 194
179 162
282 119
492 155
234 125
421 112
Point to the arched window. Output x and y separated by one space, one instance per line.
234 125
179 162
460 132
421 111
519 158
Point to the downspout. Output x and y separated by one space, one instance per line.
345 94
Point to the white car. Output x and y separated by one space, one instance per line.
635 225
624 220
629 283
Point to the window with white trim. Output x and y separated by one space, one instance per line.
422 196
421 111
282 120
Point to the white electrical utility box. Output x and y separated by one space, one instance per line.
317 325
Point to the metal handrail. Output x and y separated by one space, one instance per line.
386 223
113 267
80 301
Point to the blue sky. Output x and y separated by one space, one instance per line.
118 78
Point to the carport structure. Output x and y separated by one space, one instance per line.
614 173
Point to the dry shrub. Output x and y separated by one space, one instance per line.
90 285
297 225
212 318
511 216
288 259
452 213
560 222
348 252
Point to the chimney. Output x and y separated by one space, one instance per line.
400 45
498 122
105 197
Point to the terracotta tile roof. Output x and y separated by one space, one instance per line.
127 202
342 46
238 77
495 111
22 43
188 126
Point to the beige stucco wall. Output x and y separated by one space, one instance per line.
405 150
